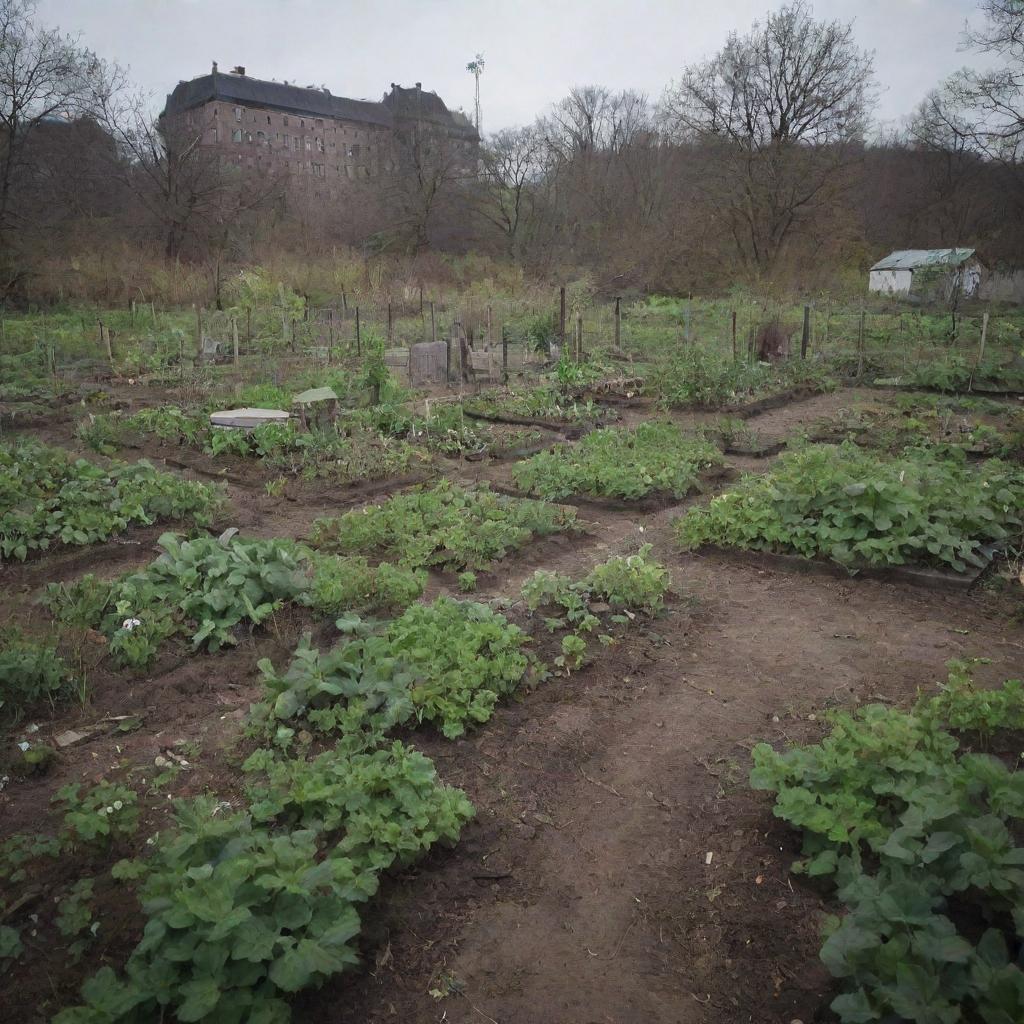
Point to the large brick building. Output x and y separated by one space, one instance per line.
314 140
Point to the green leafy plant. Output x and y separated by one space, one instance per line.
246 908
620 463
49 498
103 813
30 671
448 663
860 508
444 526
921 841
349 583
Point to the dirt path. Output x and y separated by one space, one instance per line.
619 869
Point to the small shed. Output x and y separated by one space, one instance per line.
923 270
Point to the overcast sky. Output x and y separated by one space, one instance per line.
535 50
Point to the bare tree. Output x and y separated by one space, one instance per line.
513 164
428 170
191 190
782 108
44 76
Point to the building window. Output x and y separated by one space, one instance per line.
214 136
319 122
236 135
261 138
248 136
319 145
268 119
284 120
238 113
302 123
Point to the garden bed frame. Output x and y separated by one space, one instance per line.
914 575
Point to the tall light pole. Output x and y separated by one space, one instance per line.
476 68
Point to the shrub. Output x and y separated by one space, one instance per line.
30 671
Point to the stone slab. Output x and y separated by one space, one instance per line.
246 419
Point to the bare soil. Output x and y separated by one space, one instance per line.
619 869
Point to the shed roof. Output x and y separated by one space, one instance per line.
914 259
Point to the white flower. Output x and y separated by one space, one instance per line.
130 624
118 804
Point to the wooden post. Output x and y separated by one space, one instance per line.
860 346
248 326
359 349
561 316
131 315
421 300
433 323
806 336
105 334
618 321
579 337
735 351
330 333
490 328
984 333
199 333
447 357
344 301
504 354
234 338
390 328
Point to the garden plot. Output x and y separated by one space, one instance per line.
702 380
444 527
632 705
653 463
49 498
978 427
867 512
279 450
536 407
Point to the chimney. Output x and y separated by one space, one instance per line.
419 86
214 69
238 69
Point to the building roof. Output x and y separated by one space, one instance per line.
293 99
915 259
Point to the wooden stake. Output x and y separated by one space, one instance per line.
984 332
199 333
390 326
618 321
330 332
860 346
579 337
234 339
359 349
561 316
504 354
735 351
433 324
806 336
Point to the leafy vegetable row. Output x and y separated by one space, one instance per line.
923 842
